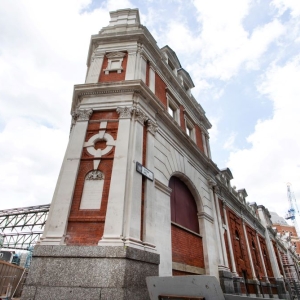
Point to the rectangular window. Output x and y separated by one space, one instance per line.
173 109
190 128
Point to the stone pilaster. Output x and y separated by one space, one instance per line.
148 228
204 142
55 229
254 278
262 258
152 78
212 184
208 146
131 65
133 193
95 68
208 231
220 227
271 251
229 241
114 222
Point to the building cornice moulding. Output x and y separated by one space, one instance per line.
153 54
162 187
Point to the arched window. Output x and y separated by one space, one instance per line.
183 205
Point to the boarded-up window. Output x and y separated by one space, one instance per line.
92 190
183 205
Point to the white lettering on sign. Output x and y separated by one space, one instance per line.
144 171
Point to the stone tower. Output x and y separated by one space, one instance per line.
138 145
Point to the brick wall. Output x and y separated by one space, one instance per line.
227 249
266 256
113 75
181 115
239 245
282 229
85 227
160 89
199 140
277 257
180 273
255 253
187 247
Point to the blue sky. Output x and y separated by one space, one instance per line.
243 57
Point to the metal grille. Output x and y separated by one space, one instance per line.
22 227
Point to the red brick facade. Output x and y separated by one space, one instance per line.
85 227
187 247
160 90
113 75
239 245
199 140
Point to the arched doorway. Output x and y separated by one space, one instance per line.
187 248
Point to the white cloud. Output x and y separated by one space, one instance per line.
31 155
43 52
229 144
283 5
273 158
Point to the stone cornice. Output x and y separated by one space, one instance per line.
239 208
206 216
154 54
162 187
139 87
119 87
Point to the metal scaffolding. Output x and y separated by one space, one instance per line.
22 227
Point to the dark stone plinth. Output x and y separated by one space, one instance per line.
282 294
89 272
226 281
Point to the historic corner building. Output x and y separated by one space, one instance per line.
138 194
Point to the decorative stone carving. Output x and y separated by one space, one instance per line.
102 135
141 117
152 127
115 60
125 112
211 182
217 190
95 175
81 115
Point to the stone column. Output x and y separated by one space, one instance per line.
271 251
114 221
225 275
133 195
149 228
229 241
152 78
262 258
131 65
95 68
249 251
204 141
221 230
56 225
210 249
143 67
208 147
162 225
212 184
